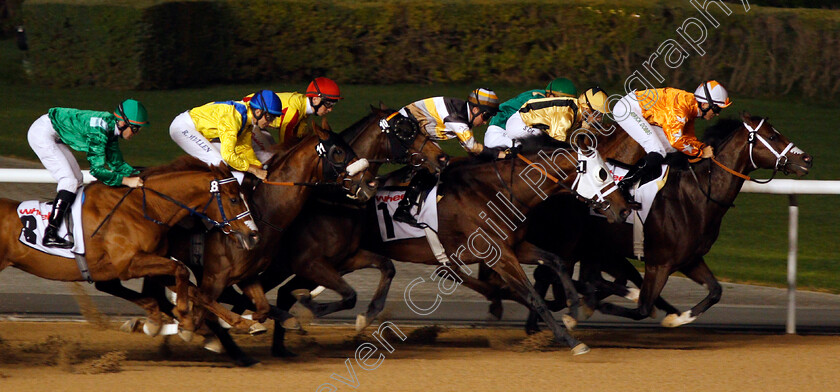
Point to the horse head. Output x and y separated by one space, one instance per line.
342 165
231 213
769 149
596 185
408 144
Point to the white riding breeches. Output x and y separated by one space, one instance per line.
55 155
261 141
183 132
515 129
628 114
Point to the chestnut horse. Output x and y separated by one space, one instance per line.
685 217
319 160
131 241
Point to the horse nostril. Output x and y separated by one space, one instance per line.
254 237
624 213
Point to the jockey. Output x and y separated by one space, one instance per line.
442 118
496 135
221 131
662 121
556 116
53 136
321 96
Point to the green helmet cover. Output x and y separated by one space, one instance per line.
562 87
133 112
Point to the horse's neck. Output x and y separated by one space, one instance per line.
620 147
734 154
278 204
371 143
194 194
529 195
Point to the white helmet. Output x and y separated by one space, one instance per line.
713 93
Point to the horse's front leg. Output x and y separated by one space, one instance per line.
253 289
367 259
212 286
529 251
511 271
699 272
654 281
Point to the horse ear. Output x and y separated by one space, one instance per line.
746 116
382 105
320 131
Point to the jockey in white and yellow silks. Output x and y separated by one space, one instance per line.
221 131
441 118
662 121
557 116
321 96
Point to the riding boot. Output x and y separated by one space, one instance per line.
650 164
60 205
410 199
413 198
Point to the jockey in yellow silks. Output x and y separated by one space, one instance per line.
321 96
662 121
221 131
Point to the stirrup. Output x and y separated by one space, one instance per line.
56 242
404 216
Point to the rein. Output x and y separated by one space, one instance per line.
108 217
214 191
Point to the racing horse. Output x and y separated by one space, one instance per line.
322 159
686 215
466 186
132 225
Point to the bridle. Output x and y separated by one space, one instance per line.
224 225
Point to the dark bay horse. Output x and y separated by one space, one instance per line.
132 242
686 215
317 160
466 187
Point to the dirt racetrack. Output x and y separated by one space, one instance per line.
73 356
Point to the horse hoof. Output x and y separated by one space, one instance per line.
257 329
130 325
151 329
361 322
496 310
300 294
673 320
213 344
185 335
580 349
569 321
246 362
290 323
633 294
282 352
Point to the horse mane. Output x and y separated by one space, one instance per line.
182 163
351 132
722 130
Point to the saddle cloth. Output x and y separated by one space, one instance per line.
643 193
34 215
387 200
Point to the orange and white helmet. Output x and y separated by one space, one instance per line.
713 93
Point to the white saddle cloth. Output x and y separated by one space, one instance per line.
386 204
644 193
34 215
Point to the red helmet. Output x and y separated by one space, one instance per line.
324 88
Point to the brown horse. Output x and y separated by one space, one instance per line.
319 160
324 245
132 242
685 218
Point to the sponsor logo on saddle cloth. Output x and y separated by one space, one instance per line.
644 193
388 199
34 216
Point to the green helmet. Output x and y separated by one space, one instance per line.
132 112
561 87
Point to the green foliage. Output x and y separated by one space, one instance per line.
164 44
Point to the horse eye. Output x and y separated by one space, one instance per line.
234 199
772 137
602 174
